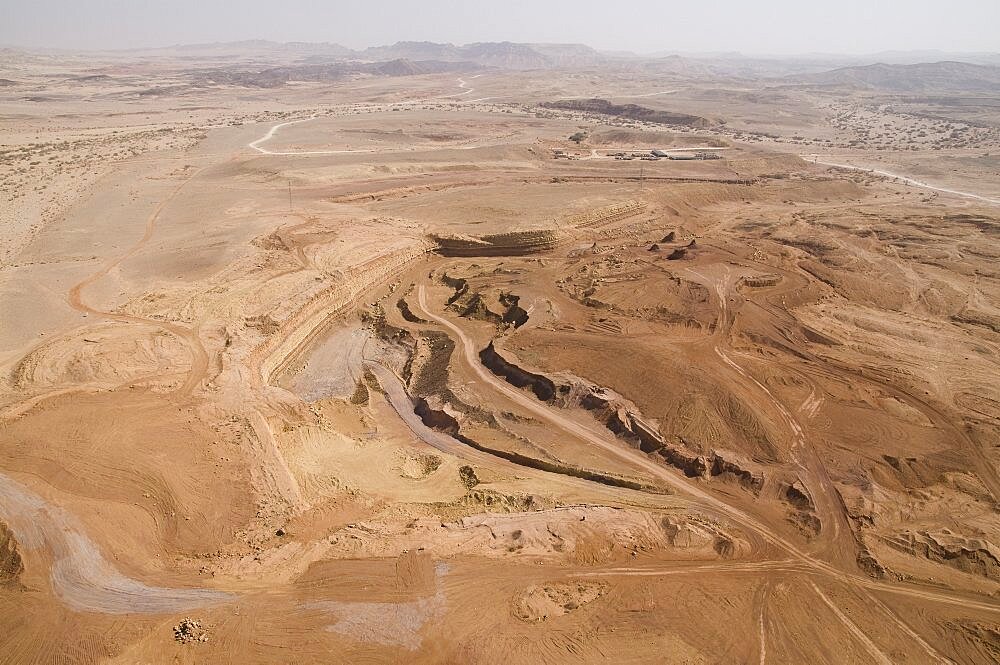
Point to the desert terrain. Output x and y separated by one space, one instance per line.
501 353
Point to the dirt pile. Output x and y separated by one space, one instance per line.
514 315
748 475
803 513
538 603
499 307
404 310
189 631
580 534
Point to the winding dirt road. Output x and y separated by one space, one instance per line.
199 357
815 159
257 144
813 565
81 576
403 406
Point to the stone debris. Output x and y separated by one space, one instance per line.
189 631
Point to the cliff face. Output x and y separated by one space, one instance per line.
514 243
630 111
623 418
543 387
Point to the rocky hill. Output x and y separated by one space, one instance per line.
925 77
630 111
505 55
274 77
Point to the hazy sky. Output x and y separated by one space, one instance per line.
761 26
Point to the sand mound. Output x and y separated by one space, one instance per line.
538 603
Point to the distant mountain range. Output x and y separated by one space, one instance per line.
923 77
246 49
892 71
261 63
274 77
505 55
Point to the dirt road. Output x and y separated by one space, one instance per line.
81 576
199 357
906 179
815 565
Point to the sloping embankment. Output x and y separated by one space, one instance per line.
622 418
295 333
441 430
543 387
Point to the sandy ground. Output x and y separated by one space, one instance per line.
389 369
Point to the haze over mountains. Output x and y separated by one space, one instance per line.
268 64
920 77
504 351
516 55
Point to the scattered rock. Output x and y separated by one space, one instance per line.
538 603
468 476
189 631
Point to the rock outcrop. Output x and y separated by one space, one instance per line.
11 564
514 243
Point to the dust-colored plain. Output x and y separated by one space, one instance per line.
406 363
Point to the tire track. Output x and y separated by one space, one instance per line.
905 179
824 493
813 565
199 356
256 144
877 655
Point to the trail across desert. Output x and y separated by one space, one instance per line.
496 353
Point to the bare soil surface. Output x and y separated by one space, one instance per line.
405 363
